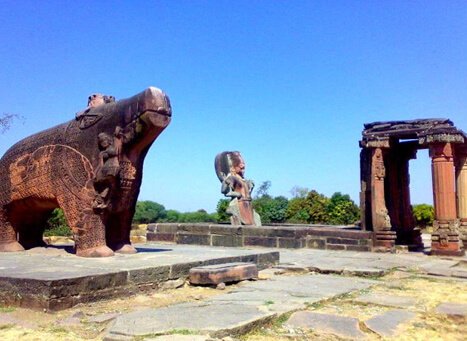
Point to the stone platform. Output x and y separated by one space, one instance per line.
53 279
278 236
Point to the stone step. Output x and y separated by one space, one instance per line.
222 273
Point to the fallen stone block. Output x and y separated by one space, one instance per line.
386 324
346 327
222 273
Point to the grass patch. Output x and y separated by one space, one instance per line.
183 332
7 309
268 302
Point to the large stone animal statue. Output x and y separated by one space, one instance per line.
91 167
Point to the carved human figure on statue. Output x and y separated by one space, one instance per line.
230 169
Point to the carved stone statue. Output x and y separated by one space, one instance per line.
230 169
91 167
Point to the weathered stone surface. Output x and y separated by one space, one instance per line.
452 309
387 324
247 306
91 167
214 319
387 300
223 273
339 325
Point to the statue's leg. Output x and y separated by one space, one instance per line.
88 230
8 241
118 232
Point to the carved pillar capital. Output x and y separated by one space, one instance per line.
441 152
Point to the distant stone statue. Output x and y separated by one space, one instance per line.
91 167
230 169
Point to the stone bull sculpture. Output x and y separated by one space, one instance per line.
91 167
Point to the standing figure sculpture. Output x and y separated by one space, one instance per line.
230 169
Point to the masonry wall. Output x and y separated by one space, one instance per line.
288 236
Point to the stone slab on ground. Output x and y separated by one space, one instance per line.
327 261
387 300
53 279
452 309
249 305
205 317
347 327
223 273
387 323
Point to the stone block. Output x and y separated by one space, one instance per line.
266 259
152 228
160 237
290 243
150 275
362 248
166 228
225 229
223 273
260 241
194 228
344 241
335 247
229 240
315 243
196 239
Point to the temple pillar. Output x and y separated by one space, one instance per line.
445 237
384 238
398 195
461 186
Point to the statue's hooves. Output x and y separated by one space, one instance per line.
126 249
100 251
11 247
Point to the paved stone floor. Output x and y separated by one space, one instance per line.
311 294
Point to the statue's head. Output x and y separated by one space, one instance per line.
237 165
229 163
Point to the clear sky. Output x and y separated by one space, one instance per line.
288 83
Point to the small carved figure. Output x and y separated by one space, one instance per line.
230 169
108 168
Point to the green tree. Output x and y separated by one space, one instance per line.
297 211
200 216
172 216
271 210
316 205
57 225
423 214
341 210
149 212
221 210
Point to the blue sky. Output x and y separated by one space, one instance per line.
288 83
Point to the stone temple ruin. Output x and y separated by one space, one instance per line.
385 205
